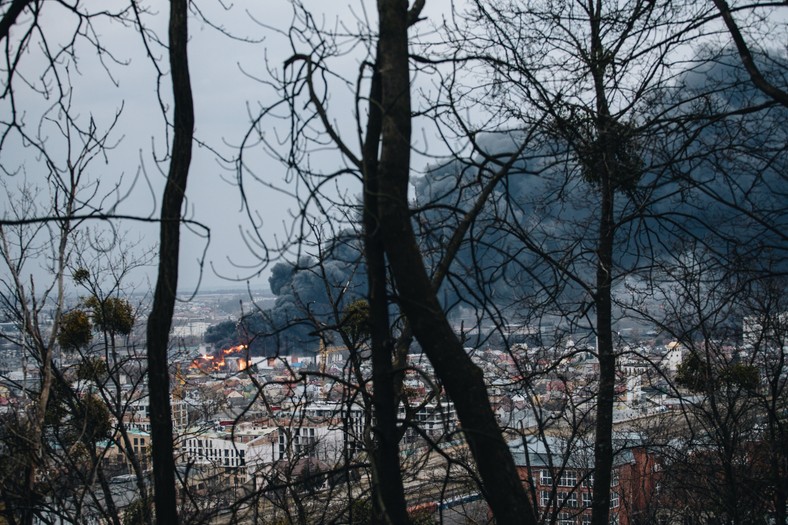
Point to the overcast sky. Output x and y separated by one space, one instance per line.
229 82
230 79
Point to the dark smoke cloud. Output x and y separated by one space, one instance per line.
723 193
713 185
309 294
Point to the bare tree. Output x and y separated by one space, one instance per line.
384 224
585 99
160 318
53 337
32 235
113 366
729 435
602 76
25 18
417 299
778 93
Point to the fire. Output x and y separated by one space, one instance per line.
234 349
218 362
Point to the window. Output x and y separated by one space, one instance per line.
545 477
568 478
570 500
614 500
588 481
565 518
281 444
586 499
586 520
304 439
545 499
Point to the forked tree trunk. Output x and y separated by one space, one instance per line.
463 380
388 493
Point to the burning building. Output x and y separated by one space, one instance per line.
233 359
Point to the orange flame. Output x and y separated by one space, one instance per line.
234 349
213 363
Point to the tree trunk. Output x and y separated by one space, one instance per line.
463 380
387 491
603 441
10 16
609 174
160 320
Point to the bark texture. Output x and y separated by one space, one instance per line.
10 16
388 492
463 380
160 319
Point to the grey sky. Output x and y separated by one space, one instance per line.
226 75
225 95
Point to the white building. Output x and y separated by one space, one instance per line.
674 356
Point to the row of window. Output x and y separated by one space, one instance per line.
569 479
566 518
200 449
304 439
569 499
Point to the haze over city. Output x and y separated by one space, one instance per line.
397 262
